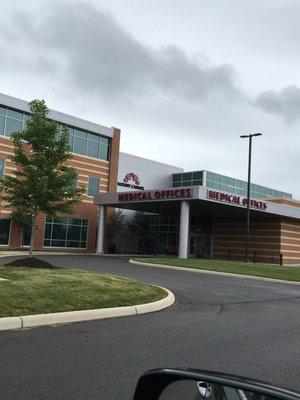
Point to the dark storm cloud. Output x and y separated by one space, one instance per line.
284 103
89 52
98 56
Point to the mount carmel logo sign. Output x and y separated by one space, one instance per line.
128 179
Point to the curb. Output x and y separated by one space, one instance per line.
30 321
207 272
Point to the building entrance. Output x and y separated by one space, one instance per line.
199 245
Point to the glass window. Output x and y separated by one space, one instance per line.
186 183
94 138
26 117
4 231
176 184
74 221
12 125
104 140
224 180
69 232
197 182
15 114
2 111
231 182
217 185
73 244
209 176
2 123
48 231
187 176
74 232
71 141
1 168
93 186
217 178
59 231
58 220
197 175
80 134
79 145
177 178
104 152
92 149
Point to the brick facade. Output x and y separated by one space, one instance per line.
106 171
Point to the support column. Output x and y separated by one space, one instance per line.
101 224
184 229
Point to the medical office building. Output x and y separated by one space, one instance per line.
192 214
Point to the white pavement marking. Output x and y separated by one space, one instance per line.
29 321
205 271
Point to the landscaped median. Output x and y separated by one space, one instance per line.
268 272
44 296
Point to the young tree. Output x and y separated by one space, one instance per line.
115 223
43 182
139 225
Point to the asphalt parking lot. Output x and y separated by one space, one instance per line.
237 326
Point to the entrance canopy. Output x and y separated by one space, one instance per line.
197 199
211 202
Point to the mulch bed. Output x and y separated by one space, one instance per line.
31 262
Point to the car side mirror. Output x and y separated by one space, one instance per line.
188 384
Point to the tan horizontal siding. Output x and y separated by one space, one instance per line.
290 240
230 235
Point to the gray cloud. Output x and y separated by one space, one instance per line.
98 56
284 103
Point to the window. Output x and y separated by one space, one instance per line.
12 125
2 124
93 186
1 168
66 232
4 231
80 141
93 146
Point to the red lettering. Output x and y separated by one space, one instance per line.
188 192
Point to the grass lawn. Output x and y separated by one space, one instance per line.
235 267
36 291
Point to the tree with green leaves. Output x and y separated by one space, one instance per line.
115 223
139 227
44 183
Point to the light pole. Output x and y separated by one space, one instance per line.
248 191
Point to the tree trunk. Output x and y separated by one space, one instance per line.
32 233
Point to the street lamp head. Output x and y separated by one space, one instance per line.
251 135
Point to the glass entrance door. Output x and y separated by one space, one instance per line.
199 245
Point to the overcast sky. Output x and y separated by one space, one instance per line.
181 79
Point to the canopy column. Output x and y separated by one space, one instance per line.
101 224
184 229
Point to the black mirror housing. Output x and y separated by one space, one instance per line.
152 384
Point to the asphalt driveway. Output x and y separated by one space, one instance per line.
237 326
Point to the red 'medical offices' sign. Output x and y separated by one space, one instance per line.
168 194
233 199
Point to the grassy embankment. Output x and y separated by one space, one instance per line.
35 291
